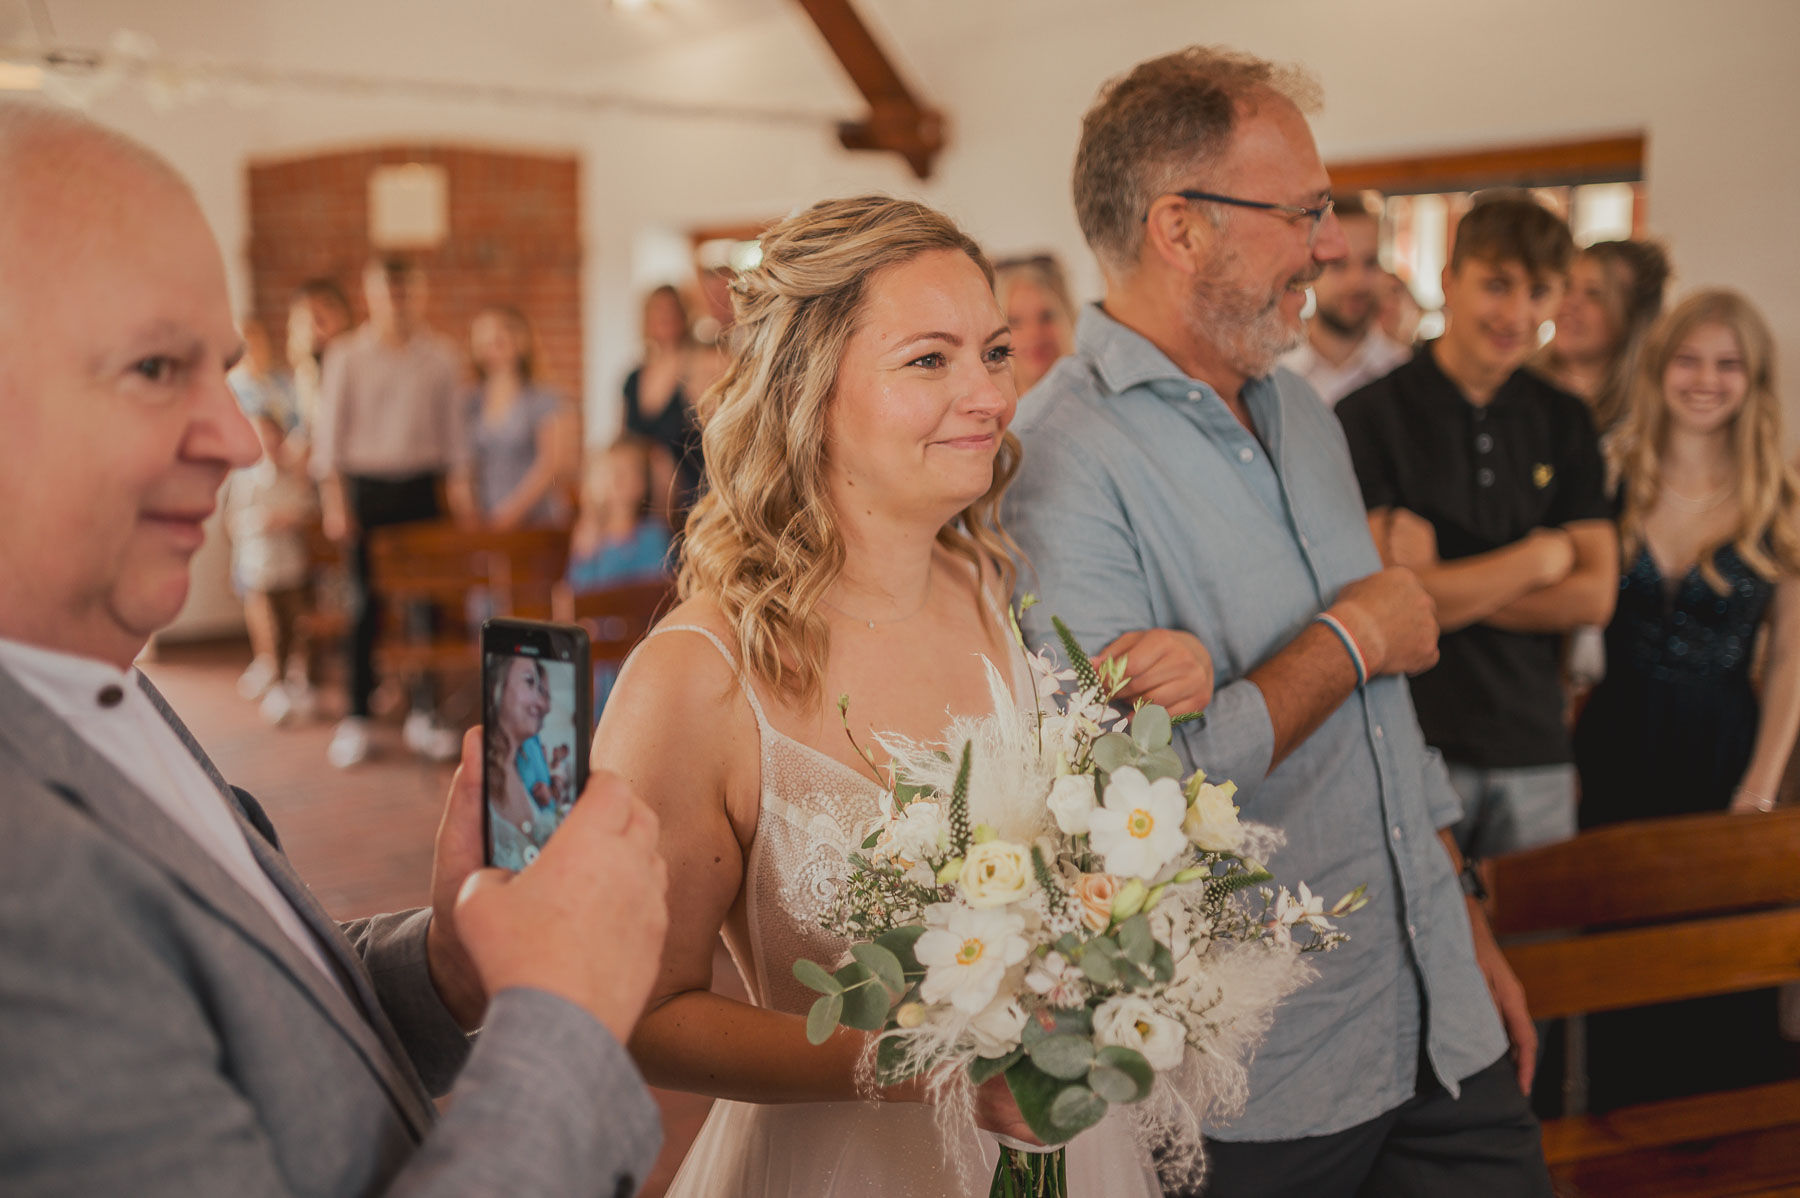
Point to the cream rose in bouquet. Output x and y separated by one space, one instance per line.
1047 899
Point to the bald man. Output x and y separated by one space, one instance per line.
178 1016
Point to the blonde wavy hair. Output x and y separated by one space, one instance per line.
1765 535
764 542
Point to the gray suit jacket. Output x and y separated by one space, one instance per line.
160 1035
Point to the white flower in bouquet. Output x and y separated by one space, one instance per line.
1072 803
967 952
1137 830
995 1032
1127 1021
1212 819
1308 908
1058 982
917 832
995 873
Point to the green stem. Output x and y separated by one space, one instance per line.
1030 1175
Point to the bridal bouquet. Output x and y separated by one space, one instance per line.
1048 901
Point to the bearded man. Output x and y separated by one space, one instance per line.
1175 480
1345 347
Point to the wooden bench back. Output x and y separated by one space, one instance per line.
1652 911
616 618
441 564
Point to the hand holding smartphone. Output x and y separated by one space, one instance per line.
537 721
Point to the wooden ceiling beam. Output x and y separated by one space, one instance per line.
897 122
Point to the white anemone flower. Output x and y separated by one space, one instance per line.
1137 829
966 952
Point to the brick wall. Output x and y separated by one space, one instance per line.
514 239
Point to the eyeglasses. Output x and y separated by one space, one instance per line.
1292 211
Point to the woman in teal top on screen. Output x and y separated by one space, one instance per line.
528 807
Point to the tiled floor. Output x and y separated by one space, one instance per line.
362 837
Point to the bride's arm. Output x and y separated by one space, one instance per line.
678 729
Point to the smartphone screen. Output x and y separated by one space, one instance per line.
537 704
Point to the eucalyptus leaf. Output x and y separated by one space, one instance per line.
1136 939
1032 1032
822 1020
1100 968
1034 1091
813 976
900 942
1063 1056
866 1001
983 1068
1130 975
1162 965
1114 750
1075 1110
883 964
1150 727
1114 1085
1160 763
1131 1063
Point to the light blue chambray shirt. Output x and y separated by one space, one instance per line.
1143 503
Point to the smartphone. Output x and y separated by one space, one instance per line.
537 718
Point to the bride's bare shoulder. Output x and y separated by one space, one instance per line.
678 675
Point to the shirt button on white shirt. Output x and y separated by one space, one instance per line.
1246 455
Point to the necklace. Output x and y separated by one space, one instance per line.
1701 503
923 600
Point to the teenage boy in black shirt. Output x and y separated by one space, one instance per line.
1488 482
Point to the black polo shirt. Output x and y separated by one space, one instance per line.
1484 477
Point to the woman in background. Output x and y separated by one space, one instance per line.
520 437
1711 543
1615 294
659 402
1035 298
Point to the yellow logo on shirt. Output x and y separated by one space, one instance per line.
1541 474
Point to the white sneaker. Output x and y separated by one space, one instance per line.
255 681
349 743
277 705
429 739
300 695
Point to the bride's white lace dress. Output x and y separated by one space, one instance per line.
814 811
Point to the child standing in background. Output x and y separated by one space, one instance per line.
267 509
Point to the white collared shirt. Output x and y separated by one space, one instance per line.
1375 355
110 711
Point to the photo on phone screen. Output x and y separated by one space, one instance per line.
535 732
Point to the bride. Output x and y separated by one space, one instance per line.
857 450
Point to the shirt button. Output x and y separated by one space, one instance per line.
1195 395
1485 477
1246 454
110 695
1412 931
1304 543
1483 443
1396 831
1378 732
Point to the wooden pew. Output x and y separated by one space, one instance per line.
1649 912
616 618
461 573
